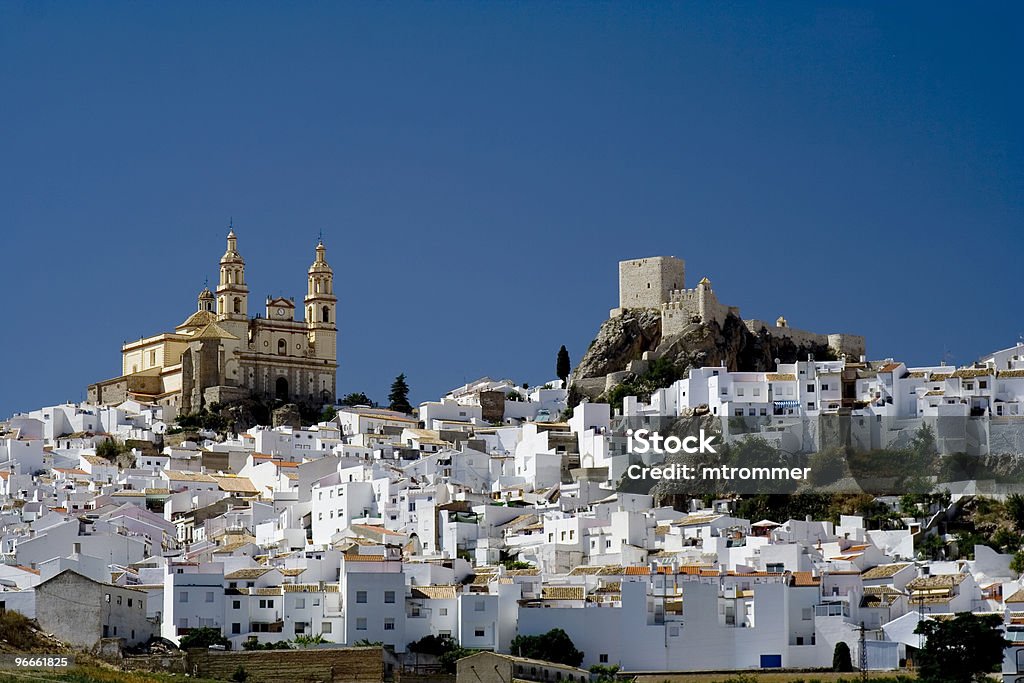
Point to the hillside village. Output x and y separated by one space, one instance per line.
497 510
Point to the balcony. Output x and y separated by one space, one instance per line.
832 610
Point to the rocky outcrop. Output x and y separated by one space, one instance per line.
627 337
287 415
620 340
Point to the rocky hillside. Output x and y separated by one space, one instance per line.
626 338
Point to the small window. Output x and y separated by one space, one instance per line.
182 596
361 597
361 624
209 596
810 388
479 633
389 624
389 597
603 658
480 606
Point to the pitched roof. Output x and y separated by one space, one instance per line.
563 593
434 592
213 331
884 571
232 483
180 475
198 319
248 573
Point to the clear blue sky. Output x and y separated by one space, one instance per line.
478 170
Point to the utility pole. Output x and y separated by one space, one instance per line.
863 654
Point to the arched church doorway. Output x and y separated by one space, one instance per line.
281 389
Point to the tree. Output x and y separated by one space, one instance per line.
398 399
330 412
841 660
827 466
356 399
1017 563
604 673
562 365
1015 510
203 637
963 649
932 547
108 449
553 646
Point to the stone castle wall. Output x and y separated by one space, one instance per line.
849 344
686 306
658 282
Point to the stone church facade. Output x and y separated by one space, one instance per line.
220 353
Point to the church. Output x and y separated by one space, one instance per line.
220 354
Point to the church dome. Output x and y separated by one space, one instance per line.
206 294
195 321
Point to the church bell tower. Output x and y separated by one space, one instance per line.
232 292
321 307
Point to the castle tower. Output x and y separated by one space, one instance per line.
321 307
206 300
232 292
649 282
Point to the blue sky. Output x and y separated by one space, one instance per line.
477 170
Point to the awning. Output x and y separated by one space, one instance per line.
786 404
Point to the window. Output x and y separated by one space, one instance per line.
209 596
361 597
603 658
389 624
757 391
119 599
325 627
282 347
182 596
130 601
361 624
479 633
740 391
738 412
236 604
444 611
300 603
824 387
479 606
982 384
236 627
389 597
810 405
810 388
